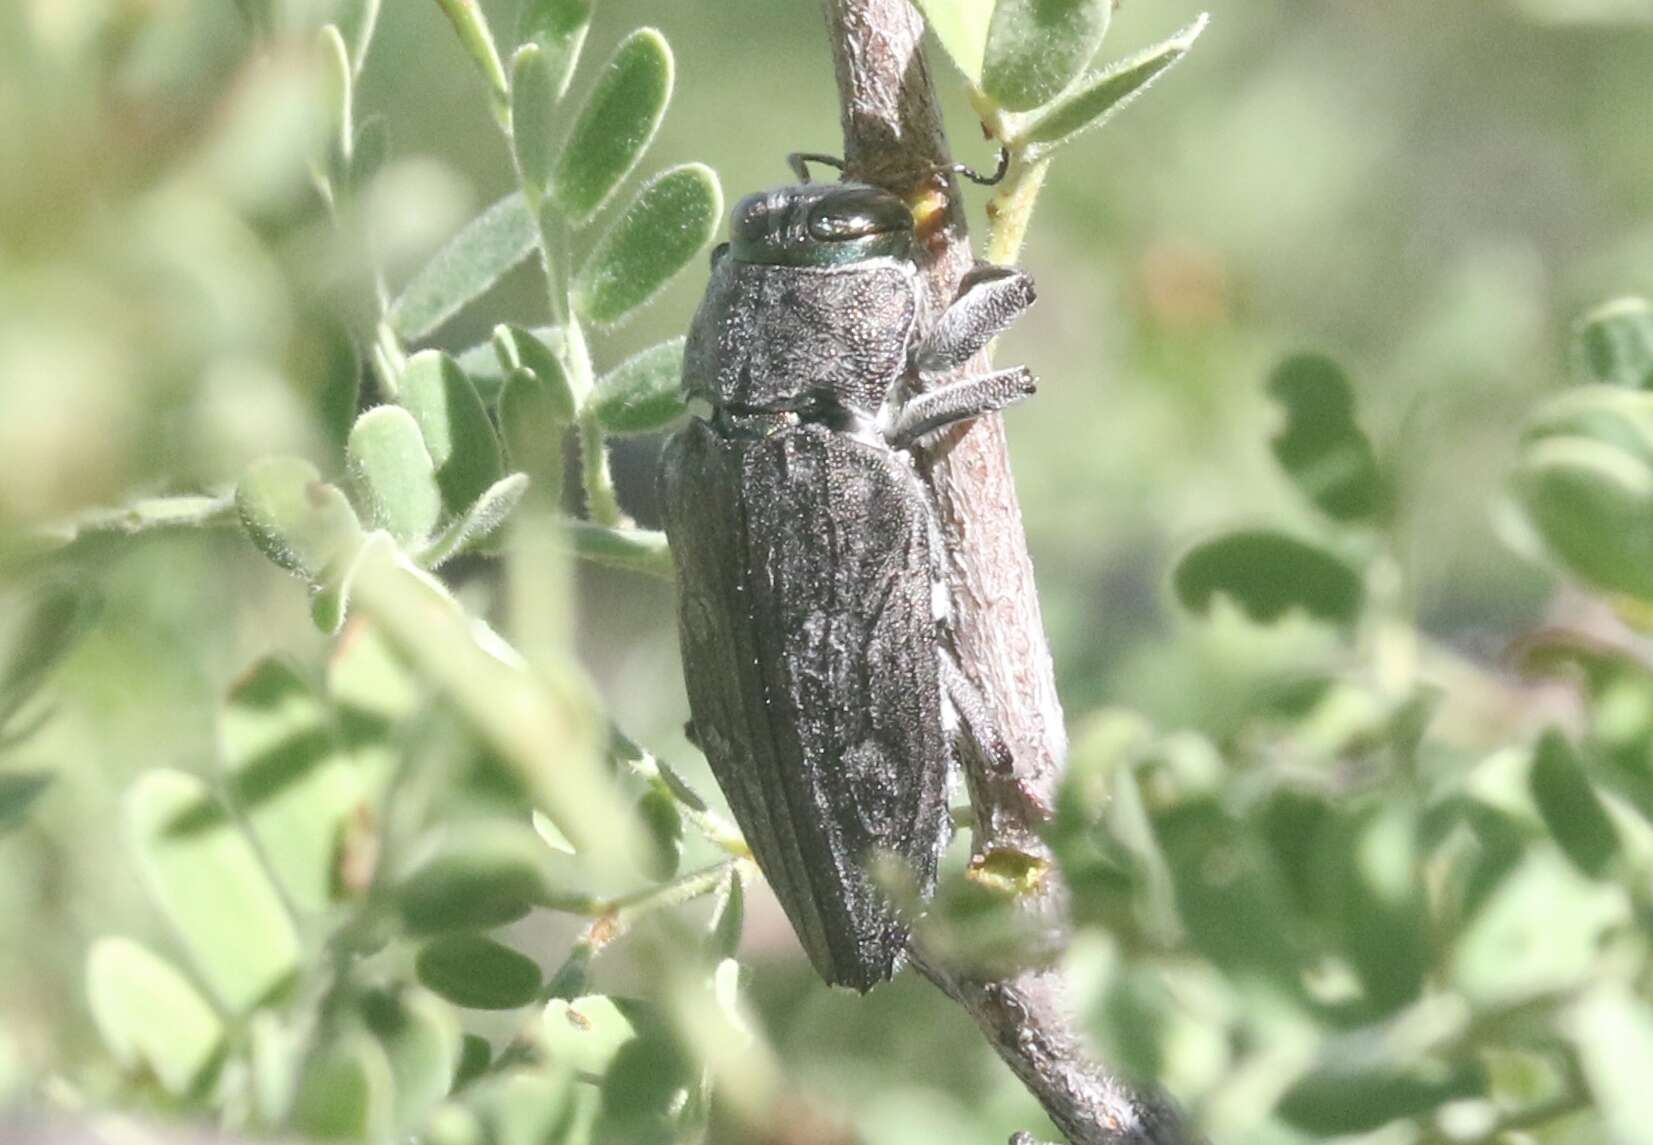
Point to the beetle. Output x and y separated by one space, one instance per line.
813 608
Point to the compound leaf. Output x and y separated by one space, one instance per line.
642 394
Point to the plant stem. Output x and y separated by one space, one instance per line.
1011 209
893 137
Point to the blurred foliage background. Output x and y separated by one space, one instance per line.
1430 193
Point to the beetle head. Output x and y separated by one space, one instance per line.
820 224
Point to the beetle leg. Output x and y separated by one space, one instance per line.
981 731
927 412
989 299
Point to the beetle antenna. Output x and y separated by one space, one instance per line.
977 177
799 161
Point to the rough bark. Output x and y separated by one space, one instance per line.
893 137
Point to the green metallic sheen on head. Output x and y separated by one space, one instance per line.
820 224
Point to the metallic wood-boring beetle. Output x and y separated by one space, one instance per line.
812 600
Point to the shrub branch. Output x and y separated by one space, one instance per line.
893 137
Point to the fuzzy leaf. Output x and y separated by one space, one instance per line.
670 220
961 26
289 776
1269 574
530 421
394 477
644 393
19 790
558 27
533 102
640 550
1099 97
1321 447
472 26
301 523
533 353
472 261
455 426
1613 344
347 1093
481 521
336 75
615 126
478 973
149 1016
203 874
1036 48
1572 810
357 21
478 880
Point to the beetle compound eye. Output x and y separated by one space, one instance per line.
751 218
858 213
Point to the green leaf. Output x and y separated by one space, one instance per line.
472 27
481 521
455 426
289 776
615 126
666 225
1593 505
480 878
1612 1031
1269 574
1036 48
1321 447
18 792
533 101
637 550
393 474
346 1093
1613 344
1099 97
642 1090
478 973
149 1016
663 829
1370 896
301 523
357 21
205 877
1345 1098
644 393
584 1034
38 641
558 27
961 26
1229 895
528 1107
530 421
369 151
472 261
336 76
530 350
420 1037
1572 810
728 921
475 1053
